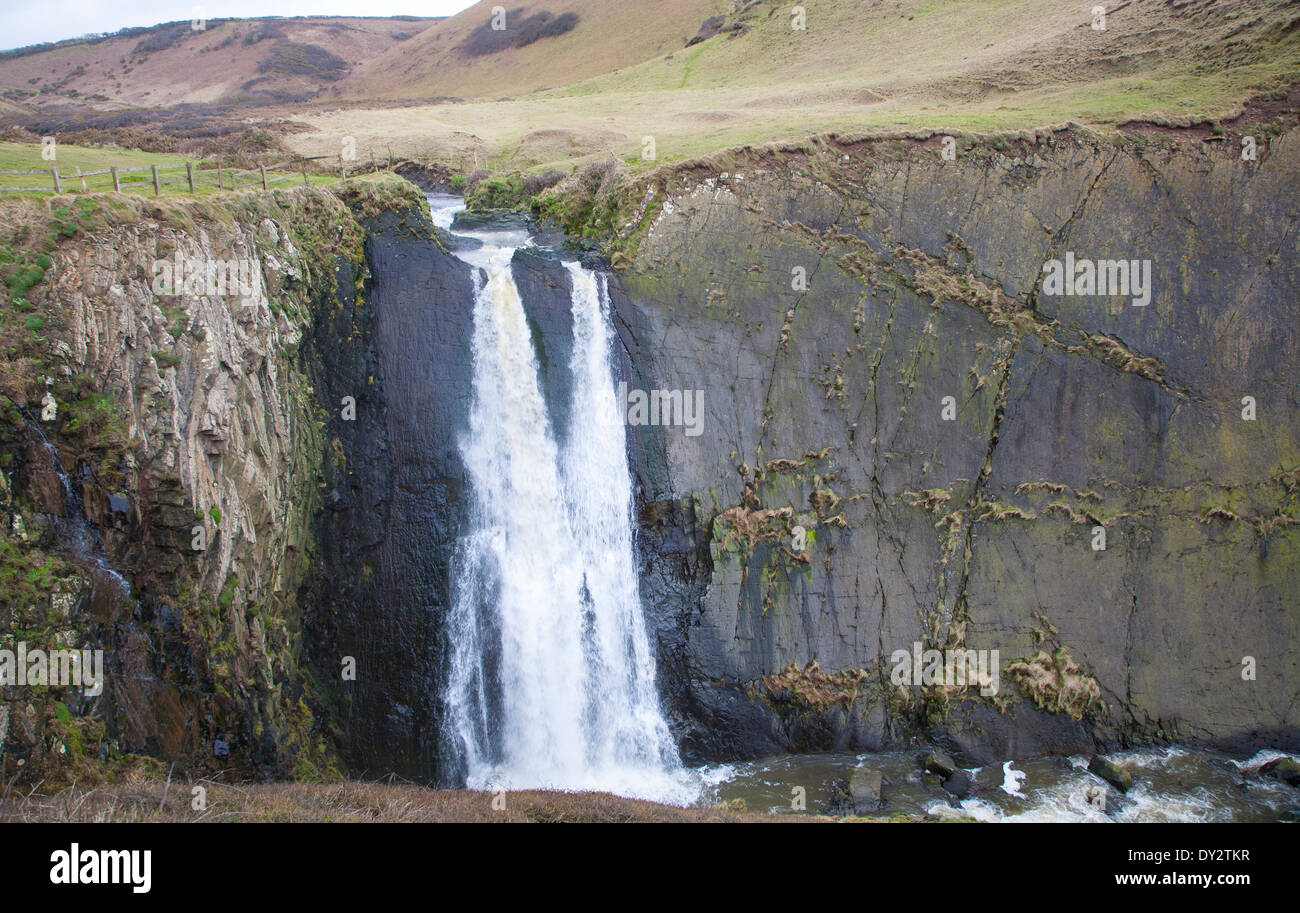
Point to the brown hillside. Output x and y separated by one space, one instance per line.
607 36
248 60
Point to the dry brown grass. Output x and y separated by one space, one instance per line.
607 37
1057 684
930 499
747 527
813 687
201 67
1116 354
348 801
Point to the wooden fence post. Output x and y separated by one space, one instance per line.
264 185
58 184
189 173
304 172
157 185
83 180
117 181
219 187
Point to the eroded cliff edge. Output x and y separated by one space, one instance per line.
824 410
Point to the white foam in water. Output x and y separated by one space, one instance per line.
443 209
1011 779
1153 757
715 774
1262 757
1066 800
552 677
980 810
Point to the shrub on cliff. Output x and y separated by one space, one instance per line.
368 198
508 191
587 202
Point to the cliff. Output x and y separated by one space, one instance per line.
165 449
828 298
251 501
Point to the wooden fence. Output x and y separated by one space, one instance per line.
219 178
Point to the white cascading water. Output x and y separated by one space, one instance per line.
552 680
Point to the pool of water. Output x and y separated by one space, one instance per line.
1169 784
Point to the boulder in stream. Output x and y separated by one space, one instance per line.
1111 772
865 789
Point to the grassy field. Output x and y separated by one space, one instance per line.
665 82
623 82
71 159
860 67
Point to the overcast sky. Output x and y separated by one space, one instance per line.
24 22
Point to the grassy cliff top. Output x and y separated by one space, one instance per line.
758 73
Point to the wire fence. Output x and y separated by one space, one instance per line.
196 177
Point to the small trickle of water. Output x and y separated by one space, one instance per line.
74 529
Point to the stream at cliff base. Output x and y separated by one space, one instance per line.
1169 784
552 675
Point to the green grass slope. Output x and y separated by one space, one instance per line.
858 66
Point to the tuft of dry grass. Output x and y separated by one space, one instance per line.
813 687
1056 683
747 527
929 499
1117 355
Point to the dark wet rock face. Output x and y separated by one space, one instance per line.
310 432
980 526
545 290
396 500
938 762
958 784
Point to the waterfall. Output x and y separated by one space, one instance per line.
552 680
